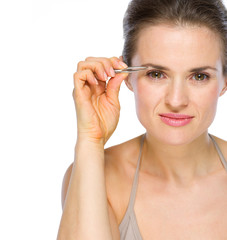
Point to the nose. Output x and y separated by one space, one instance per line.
177 95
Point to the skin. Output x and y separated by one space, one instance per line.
187 148
182 191
178 164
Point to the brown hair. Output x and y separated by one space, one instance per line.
141 13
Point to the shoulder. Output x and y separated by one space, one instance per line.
117 160
118 152
120 165
119 157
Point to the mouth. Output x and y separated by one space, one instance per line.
175 119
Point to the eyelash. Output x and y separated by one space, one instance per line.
198 73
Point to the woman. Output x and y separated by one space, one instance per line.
169 183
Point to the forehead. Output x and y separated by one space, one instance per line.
178 46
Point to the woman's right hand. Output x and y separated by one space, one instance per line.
97 106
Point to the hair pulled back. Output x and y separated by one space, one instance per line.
142 13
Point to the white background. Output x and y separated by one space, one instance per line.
40 46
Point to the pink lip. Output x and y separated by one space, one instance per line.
176 120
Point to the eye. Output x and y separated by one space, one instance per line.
201 77
154 74
157 75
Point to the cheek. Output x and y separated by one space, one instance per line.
204 102
207 98
147 97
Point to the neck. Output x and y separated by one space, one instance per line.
180 164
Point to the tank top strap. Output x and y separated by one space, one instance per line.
219 152
135 181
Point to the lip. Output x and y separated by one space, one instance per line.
175 115
175 119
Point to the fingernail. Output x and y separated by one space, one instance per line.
112 72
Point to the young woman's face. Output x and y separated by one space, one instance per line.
177 87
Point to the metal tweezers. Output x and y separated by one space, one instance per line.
129 69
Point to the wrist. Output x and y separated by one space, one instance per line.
90 142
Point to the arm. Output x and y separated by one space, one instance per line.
85 210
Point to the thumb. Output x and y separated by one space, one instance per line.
113 86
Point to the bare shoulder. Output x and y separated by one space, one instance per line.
120 165
120 161
120 156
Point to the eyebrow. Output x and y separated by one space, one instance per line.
167 69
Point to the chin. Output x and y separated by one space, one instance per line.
176 138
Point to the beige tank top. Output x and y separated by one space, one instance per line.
128 227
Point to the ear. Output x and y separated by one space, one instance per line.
224 89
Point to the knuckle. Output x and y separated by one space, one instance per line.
88 58
107 61
115 58
79 65
98 67
75 75
87 71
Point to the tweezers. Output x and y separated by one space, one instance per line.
129 69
